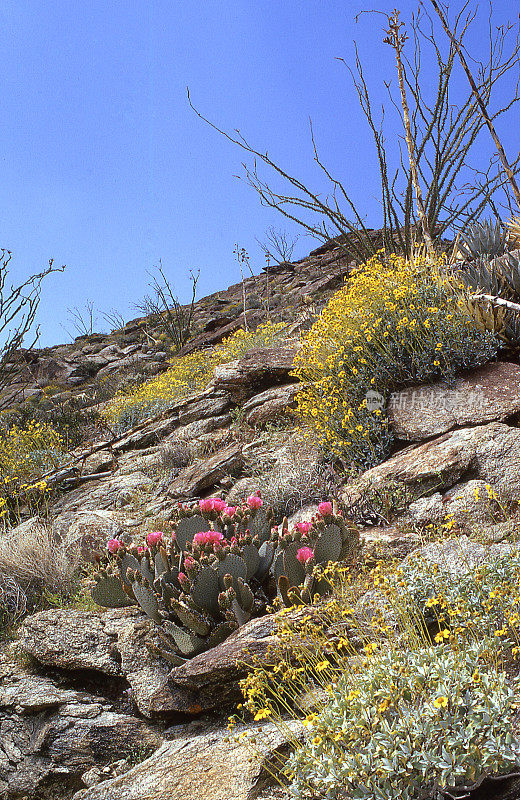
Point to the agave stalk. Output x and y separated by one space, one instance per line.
497 301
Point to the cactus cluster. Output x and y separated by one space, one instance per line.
218 567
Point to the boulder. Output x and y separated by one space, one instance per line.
270 406
100 461
210 680
386 543
88 530
113 643
257 370
466 503
204 475
482 395
489 452
49 736
460 555
210 766
71 640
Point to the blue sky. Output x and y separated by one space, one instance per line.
106 168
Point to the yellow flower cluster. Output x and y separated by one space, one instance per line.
187 374
26 453
395 323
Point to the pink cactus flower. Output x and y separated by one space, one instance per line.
325 509
189 562
230 510
206 504
303 527
184 580
219 505
208 537
154 537
304 554
254 501
113 545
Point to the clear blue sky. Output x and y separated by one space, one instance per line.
107 170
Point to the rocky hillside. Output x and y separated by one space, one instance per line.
87 367
88 709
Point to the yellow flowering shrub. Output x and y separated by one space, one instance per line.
393 324
398 696
186 375
27 453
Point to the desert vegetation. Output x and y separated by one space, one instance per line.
387 677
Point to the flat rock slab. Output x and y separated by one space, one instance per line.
259 369
489 452
212 766
482 395
203 475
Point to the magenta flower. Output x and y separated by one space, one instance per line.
303 527
208 537
184 580
304 554
206 504
230 510
254 501
325 509
113 545
153 538
219 505
189 562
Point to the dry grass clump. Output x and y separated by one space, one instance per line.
36 559
289 471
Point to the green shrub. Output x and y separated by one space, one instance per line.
482 602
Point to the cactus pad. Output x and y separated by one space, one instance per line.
186 529
205 589
109 593
188 643
252 559
147 600
232 565
329 545
191 619
266 554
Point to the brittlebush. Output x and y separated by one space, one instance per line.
26 453
393 324
186 375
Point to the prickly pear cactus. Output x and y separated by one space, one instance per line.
217 567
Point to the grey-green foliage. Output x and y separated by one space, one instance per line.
483 239
498 277
478 602
416 722
217 571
